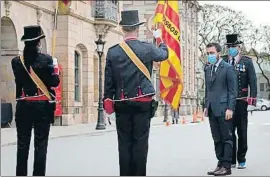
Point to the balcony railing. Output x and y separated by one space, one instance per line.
105 10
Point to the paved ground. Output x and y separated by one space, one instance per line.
8 135
185 149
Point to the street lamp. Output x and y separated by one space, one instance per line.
100 121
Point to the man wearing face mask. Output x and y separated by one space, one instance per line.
220 98
246 78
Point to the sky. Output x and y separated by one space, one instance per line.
256 11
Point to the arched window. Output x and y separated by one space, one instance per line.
77 76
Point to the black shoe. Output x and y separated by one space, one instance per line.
176 121
213 172
223 172
173 122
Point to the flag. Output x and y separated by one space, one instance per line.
159 12
64 6
171 74
66 2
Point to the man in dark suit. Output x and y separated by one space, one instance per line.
220 98
128 92
246 78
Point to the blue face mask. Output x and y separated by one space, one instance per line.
212 58
233 51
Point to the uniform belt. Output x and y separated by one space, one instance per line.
35 98
143 99
249 100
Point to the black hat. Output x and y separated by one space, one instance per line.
130 18
232 39
32 33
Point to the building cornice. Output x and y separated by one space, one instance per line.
29 4
72 14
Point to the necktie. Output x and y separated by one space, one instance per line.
214 70
233 61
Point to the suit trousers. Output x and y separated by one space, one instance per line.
240 123
133 127
29 115
221 130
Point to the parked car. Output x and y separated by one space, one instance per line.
262 104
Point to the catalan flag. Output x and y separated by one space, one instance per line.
66 2
64 6
171 74
159 11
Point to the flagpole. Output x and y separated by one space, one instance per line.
54 28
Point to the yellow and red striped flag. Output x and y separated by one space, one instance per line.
64 6
159 12
171 74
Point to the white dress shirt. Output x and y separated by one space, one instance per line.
237 58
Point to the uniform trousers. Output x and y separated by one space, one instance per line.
29 114
221 130
240 123
133 127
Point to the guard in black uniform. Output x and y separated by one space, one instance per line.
246 78
128 92
33 107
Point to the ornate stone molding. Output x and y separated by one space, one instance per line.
7 6
102 29
39 15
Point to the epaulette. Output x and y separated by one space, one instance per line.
113 46
147 42
46 55
246 57
224 56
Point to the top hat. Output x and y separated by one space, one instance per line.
232 39
130 18
32 33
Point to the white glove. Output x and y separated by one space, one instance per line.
157 33
55 62
112 116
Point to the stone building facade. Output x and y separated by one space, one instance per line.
77 30
188 11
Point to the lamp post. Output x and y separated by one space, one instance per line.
100 121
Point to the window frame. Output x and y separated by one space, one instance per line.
77 82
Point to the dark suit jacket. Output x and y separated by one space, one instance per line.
221 89
246 77
122 75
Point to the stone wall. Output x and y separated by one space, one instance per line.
75 32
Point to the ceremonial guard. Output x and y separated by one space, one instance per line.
246 78
35 73
128 92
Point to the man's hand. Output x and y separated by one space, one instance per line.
205 112
55 61
228 114
157 33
